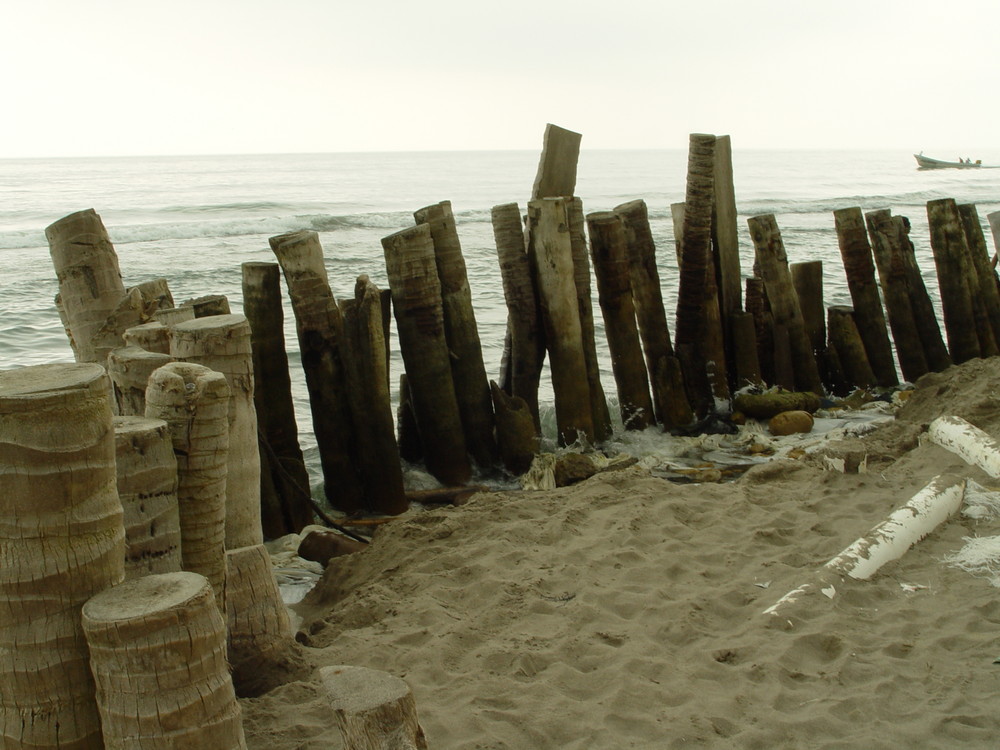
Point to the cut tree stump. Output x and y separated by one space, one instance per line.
374 710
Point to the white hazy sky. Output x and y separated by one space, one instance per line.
133 77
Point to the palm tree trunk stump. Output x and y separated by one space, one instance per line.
374 710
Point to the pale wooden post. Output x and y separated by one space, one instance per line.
129 369
609 249
61 541
209 305
472 387
147 487
156 296
284 481
194 402
153 337
374 710
552 254
845 339
556 176
517 437
983 279
173 316
158 654
416 304
320 329
222 343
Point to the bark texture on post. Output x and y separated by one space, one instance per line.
845 339
194 402
407 432
746 364
773 261
147 487
284 486
951 256
924 315
156 296
556 176
725 236
374 710
983 279
222 343
174 315
527 345
756 301
472 387
860 269
320 330
61 541
609 250
158 653
209 305
517 437
551 251
130 368
416 304
807 278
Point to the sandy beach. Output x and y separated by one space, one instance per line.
628 610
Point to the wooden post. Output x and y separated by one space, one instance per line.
860 269
129 369
845 338
516 434
581 278
222 343
156 296
320 329
147 487
210 304
983 279
773 262
284 486
416 303
609 250
407 432
472 388
994 221
807 278
527 345
756 301
158 653
551 251
61 541
153 337
725 235
924 316
367 377
951 256
556 176
174 315
194 402
668 401
374 710
746 363
887 246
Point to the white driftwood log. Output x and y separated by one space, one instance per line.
61 541
968 441
194 402
222 343
158 654
147 488
374 710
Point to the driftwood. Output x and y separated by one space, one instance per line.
374 710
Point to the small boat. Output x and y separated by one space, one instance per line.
926 162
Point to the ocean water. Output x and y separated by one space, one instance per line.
195 220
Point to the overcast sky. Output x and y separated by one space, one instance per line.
130 77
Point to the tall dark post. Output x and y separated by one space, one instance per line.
983 279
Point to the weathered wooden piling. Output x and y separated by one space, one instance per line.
407 432
852 356
887 243
924 315
517 436
807 279
153 337
374 710
61 541
222 343
194 402
158 654
320 330
367 377
556 175
746 364
209 305
983 279
859 267
756 302
527 344
951 257
147 487
609 250
284 481
129 368
416 304
725 235
994 221
770 253
173 316
156 296
551 251
472 387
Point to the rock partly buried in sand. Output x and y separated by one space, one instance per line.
322 546
572 468
790 423
767 405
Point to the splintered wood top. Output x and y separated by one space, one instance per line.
144 596
39 381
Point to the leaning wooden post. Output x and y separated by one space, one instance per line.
374 710
416 304
158 653
860 269
556 175
807 278
609 249
845 338
552 253
367 376
527 351
994 221
756 302
153 337
194 402
472 387
222 343
951 258
319 328
517 437
285 506
129 369
725 234
924 315
746 364
773 262
983 277
61 541
670 402
210 304
147 487
887 248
